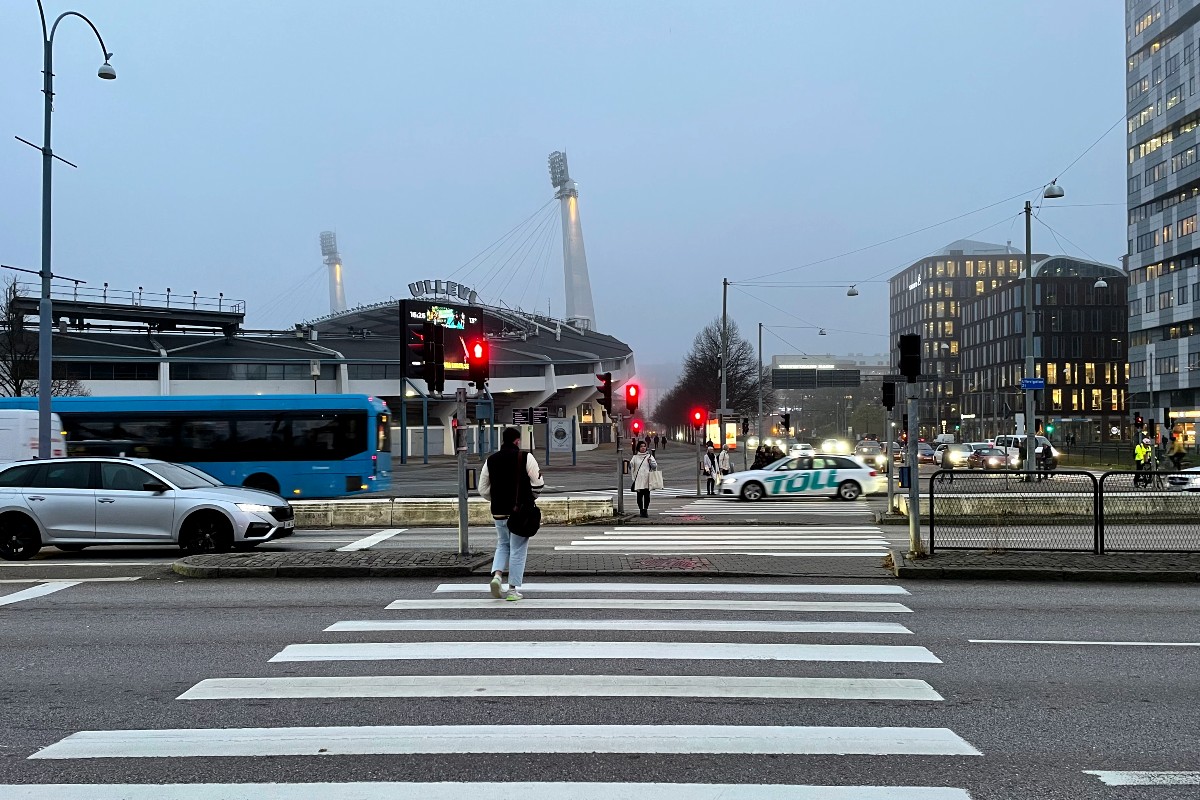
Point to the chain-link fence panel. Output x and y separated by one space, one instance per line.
1008 510
1150 511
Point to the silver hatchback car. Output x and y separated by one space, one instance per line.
72 503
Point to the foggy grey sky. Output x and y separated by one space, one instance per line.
709 140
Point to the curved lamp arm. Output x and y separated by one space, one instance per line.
64 15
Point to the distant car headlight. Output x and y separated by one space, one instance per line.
728 481
254 508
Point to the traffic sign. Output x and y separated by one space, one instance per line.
539 415
1033 383
520 416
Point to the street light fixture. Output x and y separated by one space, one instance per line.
1051 192
1100 283
45 307
852 291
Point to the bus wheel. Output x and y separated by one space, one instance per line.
263 481
206 532
19 537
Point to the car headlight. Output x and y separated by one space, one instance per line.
254 508
728 481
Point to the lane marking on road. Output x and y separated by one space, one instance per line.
714 547
421 739
370 541
685 651
558 604
1145 778
457 791
41 590
727 528
713 538
560 686
704 588
740 551
714 625
69 580
1072 642
79 564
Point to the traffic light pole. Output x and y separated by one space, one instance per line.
460 450
620 470
891 460
698 450
912 393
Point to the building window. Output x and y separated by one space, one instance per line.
1174 96
1167 365
1135 307
1089 373
1187 225
1172 64
1056 400
1137 370
1052 374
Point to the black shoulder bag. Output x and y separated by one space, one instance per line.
526 517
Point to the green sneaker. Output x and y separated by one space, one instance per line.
513 594
496 586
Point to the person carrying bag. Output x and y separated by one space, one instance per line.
645 476
510 480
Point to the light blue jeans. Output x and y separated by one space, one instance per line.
511 551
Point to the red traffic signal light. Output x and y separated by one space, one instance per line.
478 362
637 427
698 418
632 393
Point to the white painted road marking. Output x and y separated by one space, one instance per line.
32 592
683 651
534 604
704 588
419 739
81 563
68 580
457 791
1071 642
724 626
1145 778
560 686
372 540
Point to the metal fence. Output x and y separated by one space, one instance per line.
1064 510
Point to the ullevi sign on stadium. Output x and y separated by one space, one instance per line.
448 289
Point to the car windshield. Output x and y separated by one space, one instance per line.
991 451
183 476
869 448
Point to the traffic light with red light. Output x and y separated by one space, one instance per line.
1138 422
632 394
478 362
636 427
606 392
697 417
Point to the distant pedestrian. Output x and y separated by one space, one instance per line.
709 468
1143 456
762 457
642 466
1177 452
664 442
723 461
509 476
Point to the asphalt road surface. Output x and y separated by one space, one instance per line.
667 690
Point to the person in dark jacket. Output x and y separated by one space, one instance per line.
500 482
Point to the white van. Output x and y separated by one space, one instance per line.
19 435
1014 446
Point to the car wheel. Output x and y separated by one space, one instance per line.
20 539
752 491
206 532
70 548
262 481
849 490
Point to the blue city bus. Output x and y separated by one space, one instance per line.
298 446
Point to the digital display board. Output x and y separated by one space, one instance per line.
460 323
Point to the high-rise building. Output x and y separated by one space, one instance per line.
1163 130
926 298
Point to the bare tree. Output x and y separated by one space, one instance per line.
700 384
19 354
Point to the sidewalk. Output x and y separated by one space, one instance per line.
430 563
1049 566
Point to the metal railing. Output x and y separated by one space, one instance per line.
1064 510
106 294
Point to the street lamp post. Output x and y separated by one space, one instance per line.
45 307
1052 191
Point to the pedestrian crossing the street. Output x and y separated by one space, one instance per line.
616 647
724 507
808 541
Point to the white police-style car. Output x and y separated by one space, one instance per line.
843 477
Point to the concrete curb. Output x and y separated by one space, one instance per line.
903 568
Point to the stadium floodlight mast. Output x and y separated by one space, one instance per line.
45 307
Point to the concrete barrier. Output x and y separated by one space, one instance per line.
428 512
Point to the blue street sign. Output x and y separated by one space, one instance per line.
1033 383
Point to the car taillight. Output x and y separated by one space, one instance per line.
873 473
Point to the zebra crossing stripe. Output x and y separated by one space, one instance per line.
561 686
712 547
1146 778
457 791
715 626
683 651
680 588
609 603
456 739
372 540
41 590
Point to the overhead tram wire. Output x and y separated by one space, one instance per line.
1120 119
807 324
1056 234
